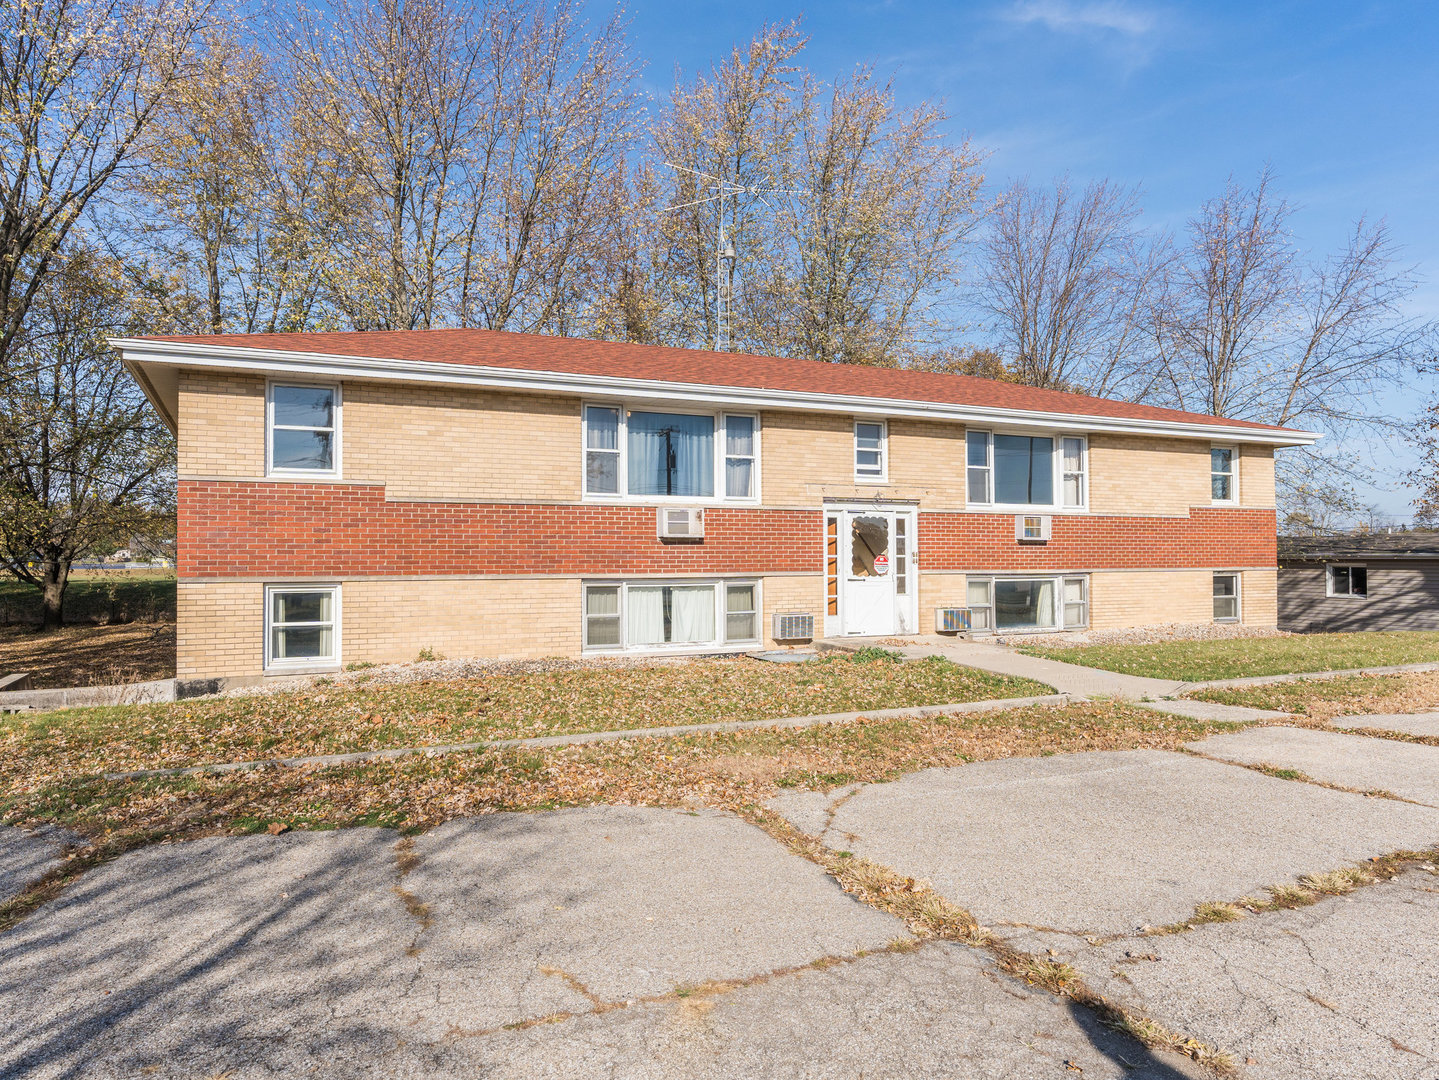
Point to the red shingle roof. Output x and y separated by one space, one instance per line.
579 356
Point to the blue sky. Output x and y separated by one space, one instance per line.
1339 97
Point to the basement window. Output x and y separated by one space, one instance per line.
1347 581
1226 597
302 626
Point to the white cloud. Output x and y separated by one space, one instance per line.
1078 16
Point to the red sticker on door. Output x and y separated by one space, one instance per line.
881 564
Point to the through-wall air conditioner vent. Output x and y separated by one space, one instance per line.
793 626
1031 528
680 523
951 620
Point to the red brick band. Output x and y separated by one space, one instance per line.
248 529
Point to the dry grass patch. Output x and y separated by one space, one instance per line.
1321 700
89 655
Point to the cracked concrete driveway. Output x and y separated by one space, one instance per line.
512 945
1105 842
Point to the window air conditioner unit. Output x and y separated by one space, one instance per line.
1031 528
951 620
793 626
680 522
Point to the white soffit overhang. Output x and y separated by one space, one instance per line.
148 359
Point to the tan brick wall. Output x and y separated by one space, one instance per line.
220 629
1256 476
222 424
1135 475
447 443
938 590
808 457
801 593
1145 599
1259 597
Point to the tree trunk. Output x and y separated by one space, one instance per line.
57 574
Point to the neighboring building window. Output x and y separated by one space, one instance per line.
657 615
1026 470
1347 581
1221 474
1016 605
1074 484
304 428
739 457
869 455
641 454
302 626
1226 597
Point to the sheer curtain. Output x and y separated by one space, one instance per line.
692 613
671 454
645 616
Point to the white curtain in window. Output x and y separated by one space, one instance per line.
645 616
692 613
671 454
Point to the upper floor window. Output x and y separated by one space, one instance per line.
303 429
1221 474
869 451
1021 470
639 453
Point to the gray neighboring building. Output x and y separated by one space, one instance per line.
1373 581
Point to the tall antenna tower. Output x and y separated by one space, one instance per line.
724 190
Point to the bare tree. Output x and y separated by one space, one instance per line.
1066 278
80 81
82 456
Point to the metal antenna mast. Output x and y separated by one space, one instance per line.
724 190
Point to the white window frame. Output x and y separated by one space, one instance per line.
1329 569
1233 475
883 475
1057 473
724 456
307 663
990 581
333 472
1238 616
718 643
719 455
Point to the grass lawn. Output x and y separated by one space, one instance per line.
89 655
1347 695
96 596
324 719
730 769
1234 658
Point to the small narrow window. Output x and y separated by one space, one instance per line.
602 617
739 457
869 463
1074 493
979 471
602 450
741 614
1348 581
1221 473
303 428
901 555
978 595
1076 603
831 564
303 626
1226 597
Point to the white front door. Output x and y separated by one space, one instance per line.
870 606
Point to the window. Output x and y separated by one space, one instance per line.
1347 581
1076 603
302 626
1027 604
642 454
658 615
1074 493
831 564
739 457
901 555
1226 597
869 463
1221 474
304 429
1026 470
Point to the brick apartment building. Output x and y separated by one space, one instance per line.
350 497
